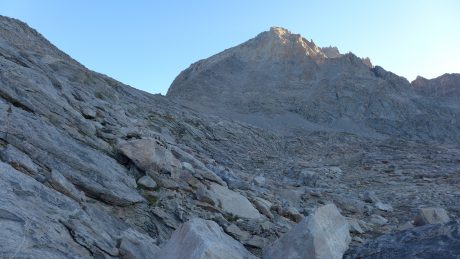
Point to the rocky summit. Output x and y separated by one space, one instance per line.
276 148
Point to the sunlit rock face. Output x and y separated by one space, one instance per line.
447 85
282 82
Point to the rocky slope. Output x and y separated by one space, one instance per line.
283 82
90 167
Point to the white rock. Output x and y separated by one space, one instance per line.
259 180
188 167
147 182
431 216
323 234
202 239
378 220
233 202
383 206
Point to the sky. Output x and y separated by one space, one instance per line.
146 44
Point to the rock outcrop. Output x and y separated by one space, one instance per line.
447 85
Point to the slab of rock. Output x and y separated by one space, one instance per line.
237 233
232 202
263 206
355 227
257 241
431 216
323 234
151 155
383 206
200 239
135 245
430 241
378 220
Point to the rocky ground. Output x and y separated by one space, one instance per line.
90 167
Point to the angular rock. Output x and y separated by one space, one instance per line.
431 216
257 241
259 180
147 182
377 219
204 195
323 234
200 239
237 233
151 155
233 203
382 206
263 206
355 227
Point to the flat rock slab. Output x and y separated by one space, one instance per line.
430 241
233 203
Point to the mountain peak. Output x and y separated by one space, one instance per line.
279 30
280 43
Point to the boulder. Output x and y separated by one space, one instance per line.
232 202
323 234
259 180
151 155
378 220
263 206
383 206
200 239
431 216
147 182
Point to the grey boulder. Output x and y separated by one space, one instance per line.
431 216
323 234
200 239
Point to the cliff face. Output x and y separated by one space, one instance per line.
447 85
92 168
291 84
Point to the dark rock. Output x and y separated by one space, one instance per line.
431 241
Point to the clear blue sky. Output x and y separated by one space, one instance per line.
147 43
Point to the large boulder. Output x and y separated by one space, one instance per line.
233 203
430 241
431 216
199 239
323 234
151 155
